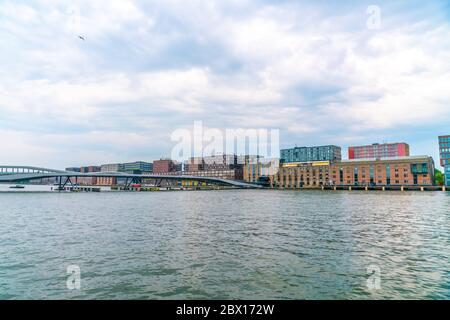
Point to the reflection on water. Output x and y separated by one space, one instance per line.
26 188
37 188
253 244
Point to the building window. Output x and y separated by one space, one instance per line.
372 174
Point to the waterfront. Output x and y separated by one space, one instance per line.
6 188
233 244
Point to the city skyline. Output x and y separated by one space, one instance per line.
343 156
315 71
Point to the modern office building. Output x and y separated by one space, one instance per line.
444 152
112 167
73 169
130 167
376 150
447 175
400 171
178 166
137 167
308 154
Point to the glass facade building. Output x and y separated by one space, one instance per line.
444 152
131 167
137 167
447 175
306 154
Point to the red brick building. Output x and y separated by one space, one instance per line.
164 166
88 181
401 171
106 181
385 150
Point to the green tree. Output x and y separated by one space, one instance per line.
438 177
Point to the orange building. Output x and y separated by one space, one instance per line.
85 181
415 170
400 171
106 181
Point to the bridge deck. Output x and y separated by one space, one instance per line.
43 173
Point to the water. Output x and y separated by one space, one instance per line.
28 188
38 188
246 244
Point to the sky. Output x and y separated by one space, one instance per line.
321 73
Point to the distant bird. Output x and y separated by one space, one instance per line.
82 38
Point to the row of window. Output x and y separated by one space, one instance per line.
356 177
419 169
295 182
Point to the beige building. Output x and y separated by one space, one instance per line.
260 170
400 171
303 175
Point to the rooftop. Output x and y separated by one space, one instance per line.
386 159
325 146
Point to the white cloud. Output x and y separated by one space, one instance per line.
146 68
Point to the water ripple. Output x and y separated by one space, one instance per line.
251 244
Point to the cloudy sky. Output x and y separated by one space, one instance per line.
321 73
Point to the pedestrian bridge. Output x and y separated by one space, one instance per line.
8 170
22 174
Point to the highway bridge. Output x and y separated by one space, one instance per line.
22 174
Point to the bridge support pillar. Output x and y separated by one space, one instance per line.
59 183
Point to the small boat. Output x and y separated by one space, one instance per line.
17 186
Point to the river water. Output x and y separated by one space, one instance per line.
233 244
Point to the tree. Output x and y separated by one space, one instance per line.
438 177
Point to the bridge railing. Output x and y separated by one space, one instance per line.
6 170
25 173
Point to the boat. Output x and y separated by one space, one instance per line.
17 186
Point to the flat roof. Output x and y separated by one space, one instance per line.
330 145
378 144
386 159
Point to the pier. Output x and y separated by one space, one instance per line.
386 188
